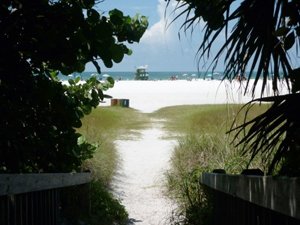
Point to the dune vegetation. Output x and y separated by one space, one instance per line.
202 145
102 127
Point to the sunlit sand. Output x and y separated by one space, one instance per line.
148 96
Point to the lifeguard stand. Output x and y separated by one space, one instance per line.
141 73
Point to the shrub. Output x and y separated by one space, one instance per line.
92 204
192 156
202 146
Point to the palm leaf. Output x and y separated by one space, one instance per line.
251 42
265 131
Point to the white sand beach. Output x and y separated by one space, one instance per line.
148 96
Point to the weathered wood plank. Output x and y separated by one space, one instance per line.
22 183
281 194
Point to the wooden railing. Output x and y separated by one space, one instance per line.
33 199
253 200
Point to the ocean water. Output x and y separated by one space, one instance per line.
182 75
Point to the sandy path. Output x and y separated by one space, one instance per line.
139 181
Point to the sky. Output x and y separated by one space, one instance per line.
160 48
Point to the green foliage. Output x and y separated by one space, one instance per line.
92 204
193 155
206 118
105 207
193 199
45 116
65 35
38 123
39 114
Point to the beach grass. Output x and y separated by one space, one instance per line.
202 145
102 127
204 118
203 138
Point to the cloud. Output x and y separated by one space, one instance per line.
166 31
160 46
158 33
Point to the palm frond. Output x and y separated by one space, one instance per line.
262 33
251 43
273 132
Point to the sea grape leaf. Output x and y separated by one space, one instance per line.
71 82
111 81
77 79
117 53
116 17
88 3
40 37
93 16
129 51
